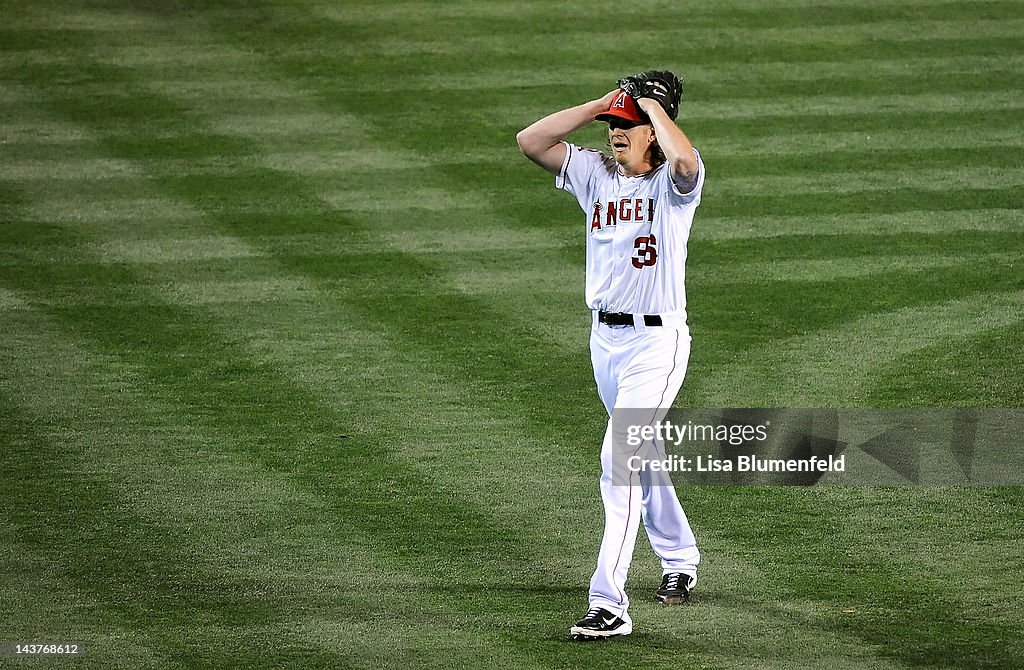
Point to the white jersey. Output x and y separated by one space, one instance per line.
637 228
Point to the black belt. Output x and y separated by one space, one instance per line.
624 319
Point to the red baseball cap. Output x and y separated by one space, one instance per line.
624 107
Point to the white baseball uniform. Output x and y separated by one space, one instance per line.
637 229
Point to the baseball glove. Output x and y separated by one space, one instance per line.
659 85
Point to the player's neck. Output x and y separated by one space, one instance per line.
635 166
637 170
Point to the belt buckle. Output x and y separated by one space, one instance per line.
615 318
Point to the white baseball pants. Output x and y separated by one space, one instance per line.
638 367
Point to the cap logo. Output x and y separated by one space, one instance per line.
620 102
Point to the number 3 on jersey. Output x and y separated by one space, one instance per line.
644 251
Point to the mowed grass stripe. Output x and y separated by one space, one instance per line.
738 323
938 371
117 564
774 111
996 99
991 154
207 61
177 241
751 83
875 178
845 359
721 38
252 285
731 12
883 178
847 79
962 512
791 151
426 57
992 110
712 79
991 638
882 268
920 121
346 173
867 201
450 242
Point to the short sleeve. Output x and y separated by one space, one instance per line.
577 172
693 193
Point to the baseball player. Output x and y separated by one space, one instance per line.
639 203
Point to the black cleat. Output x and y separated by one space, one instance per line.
599 624
674 590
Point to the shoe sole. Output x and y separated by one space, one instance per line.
586 634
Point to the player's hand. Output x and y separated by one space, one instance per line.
604 102
647 105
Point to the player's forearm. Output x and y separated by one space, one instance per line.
673 141
538 138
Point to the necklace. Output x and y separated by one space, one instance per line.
634 176
638 181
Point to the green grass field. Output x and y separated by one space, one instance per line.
293 350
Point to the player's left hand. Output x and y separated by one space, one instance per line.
648 105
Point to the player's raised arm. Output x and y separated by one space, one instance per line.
657 93
541 142
673 142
